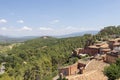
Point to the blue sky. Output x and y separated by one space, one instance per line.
56 17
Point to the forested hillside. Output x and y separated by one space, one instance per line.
110 31
39 59
5 39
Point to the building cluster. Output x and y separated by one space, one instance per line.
73 69
110 48
109 51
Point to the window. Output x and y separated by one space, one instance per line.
65 73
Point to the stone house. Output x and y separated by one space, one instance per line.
69 70
112 56
92 50
114 43
78 51
110 49
77 68
100 48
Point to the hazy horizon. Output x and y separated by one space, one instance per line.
56 17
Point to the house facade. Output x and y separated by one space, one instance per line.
110 49
77 68
69 70
112 57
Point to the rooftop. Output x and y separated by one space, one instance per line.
116 44
114 39
113 53
108 49
93 46
93 71
105 45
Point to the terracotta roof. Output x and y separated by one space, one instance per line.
105 45
106 50
112 40
93 46
113 51
99 44
117 39
78 49
102 45
114 54
116 44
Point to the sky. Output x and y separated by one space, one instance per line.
56 17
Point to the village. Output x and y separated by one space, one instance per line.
101 54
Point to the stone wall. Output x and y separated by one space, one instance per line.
69 70
91 51
110 58
73 69
64 71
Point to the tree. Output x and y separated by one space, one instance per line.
33 74
113 71
118 62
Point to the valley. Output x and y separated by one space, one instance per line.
40 58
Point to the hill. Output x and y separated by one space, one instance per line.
40 58
110 31
6 39
78 34
43 54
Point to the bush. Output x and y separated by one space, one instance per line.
113 71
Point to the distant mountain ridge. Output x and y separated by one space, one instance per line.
78 34
14 39
25 38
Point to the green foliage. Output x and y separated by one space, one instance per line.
40 58
110 31
73 60
5 77
113 71
118 62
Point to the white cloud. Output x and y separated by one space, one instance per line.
25 28
3 21
20 21
3 28
46 28
54 21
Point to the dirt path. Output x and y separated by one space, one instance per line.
56 77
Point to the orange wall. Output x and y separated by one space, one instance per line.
73 69
70 70
110 59
91 51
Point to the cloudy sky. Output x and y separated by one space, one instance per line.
56 17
